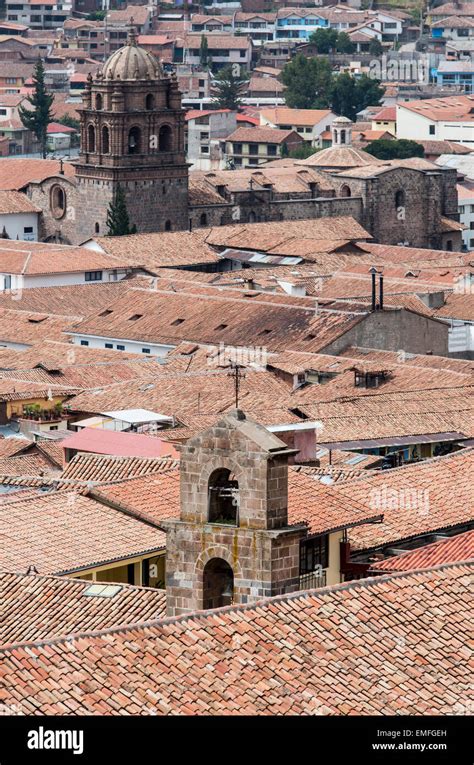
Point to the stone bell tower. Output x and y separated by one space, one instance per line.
232 542
132 136
341 130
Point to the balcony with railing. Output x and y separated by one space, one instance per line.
313 579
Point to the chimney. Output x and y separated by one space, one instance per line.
381 292
373 272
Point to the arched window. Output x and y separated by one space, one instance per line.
98 101
252 217
165 138
91 138
399 199
343 136
58 201
105 140
218 584
97 228
223 493
203 219
150 101
134 141
168 225
345 191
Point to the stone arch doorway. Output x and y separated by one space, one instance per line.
218 584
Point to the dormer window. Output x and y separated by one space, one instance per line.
363 379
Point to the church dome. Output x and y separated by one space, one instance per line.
132 63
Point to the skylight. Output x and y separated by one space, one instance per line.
102 590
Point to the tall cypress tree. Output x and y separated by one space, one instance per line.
204 52
38 118
118 221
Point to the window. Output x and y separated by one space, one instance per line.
399 199
105 140
314 553
449 245
134 141
84 342
57 201
146 350
28 230
93 276
97 228
109 345
203 219
136 316
91 138
237 148
150 102
165 137
345 191
168 225
98 101
432 129
253 148
271 150
120 347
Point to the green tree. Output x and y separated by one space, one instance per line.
96 16
38 118
204 52
308 82
118 221
375 47
386 148
227 88
344 43
284 151
303 151
324 40
350 95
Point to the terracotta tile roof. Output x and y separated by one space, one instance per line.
104 469
265 85
296 649
155 498
205 315
454 549
11 446
330 474
342 157
160 250
454 22
261 135
448 9
416 499
83 299
410 359
64 531
18 173
270 236
457 307
387 114
282 115
140 14
28 464
45 607
52 450
86 375
27 327
13 202
449 109
218 42
37 261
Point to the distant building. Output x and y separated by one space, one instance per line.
205 131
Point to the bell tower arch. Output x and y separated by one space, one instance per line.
132 136
232 542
